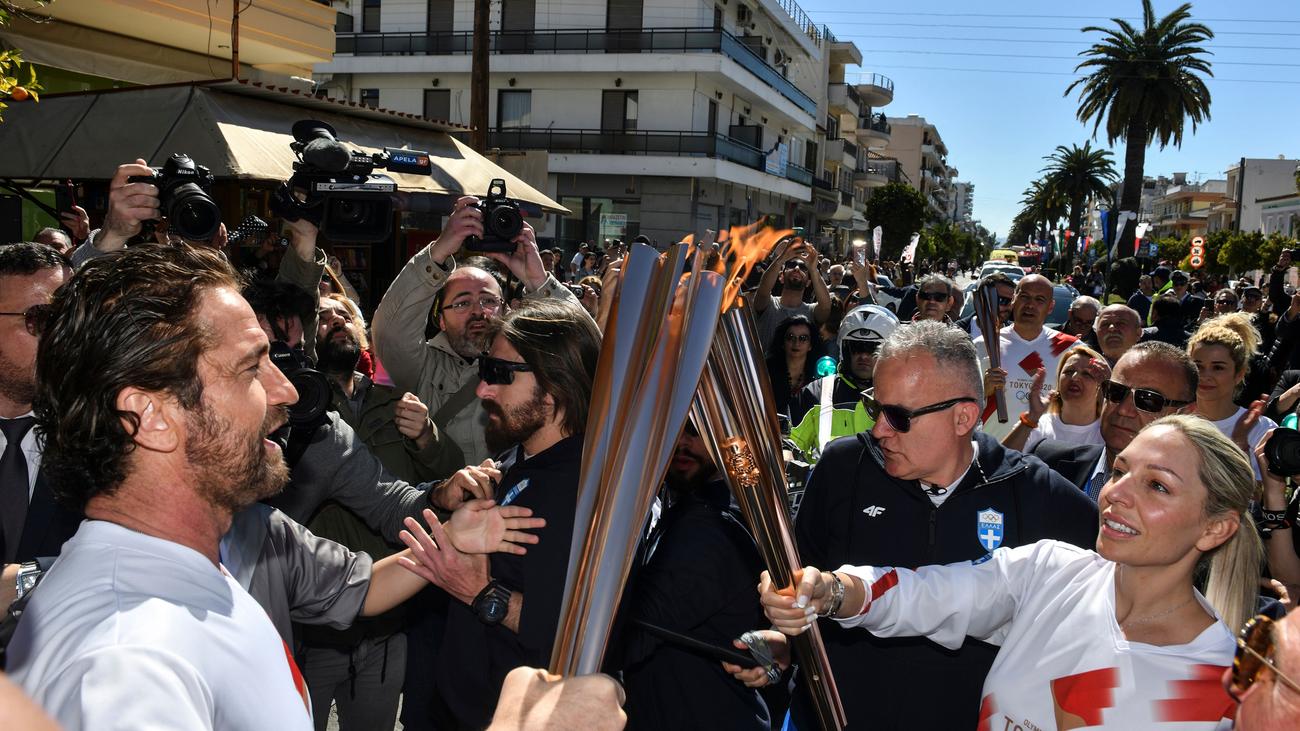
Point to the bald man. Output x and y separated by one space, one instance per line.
1118 328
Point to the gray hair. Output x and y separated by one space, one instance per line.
1174 356
952 350
1083 300
941 279
49 234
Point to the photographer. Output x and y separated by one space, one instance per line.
131 203
1277 516
442 370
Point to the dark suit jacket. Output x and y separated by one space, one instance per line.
1074 462
48 525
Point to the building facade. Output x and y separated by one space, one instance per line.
1184 210
922 159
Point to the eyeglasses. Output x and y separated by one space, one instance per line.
33 317
498 372
487 303
1144 398
792 338
853 347
932 296
899 418
1254 651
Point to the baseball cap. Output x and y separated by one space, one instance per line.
1162 272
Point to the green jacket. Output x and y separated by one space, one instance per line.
846 419
374 425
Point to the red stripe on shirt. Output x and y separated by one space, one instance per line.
1200 698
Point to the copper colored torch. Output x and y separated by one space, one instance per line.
739 426
986 314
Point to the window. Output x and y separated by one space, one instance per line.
518 15
437 104
440 16
514 109
370 17
713 118
343 23
623 14
370 98
618 111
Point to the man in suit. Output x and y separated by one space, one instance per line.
1191 303
1151 380
32 525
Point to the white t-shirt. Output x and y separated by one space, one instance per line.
1063 661
774 315
1256 434
1050 426
129 631
1021 359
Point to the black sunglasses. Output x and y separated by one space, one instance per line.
498 372
1144 398
932 296
853 347
1254 652
899 418
33 317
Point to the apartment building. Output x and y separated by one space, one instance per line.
961 210
658 118
1257 191
1184 210
922 159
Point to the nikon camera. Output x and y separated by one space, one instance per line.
183 197
502 221
336 189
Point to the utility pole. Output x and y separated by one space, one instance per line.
234 42
478 78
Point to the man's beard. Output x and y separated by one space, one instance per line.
685 482
17 383
516 425
234 472
338 356
465 344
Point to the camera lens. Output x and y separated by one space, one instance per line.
505 222
1283 452
192 213
348 211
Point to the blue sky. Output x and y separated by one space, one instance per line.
967 67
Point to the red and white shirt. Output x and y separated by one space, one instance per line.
1021 359
1063 662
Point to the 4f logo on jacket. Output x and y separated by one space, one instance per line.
873 511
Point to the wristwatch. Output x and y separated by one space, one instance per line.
29 572
492 603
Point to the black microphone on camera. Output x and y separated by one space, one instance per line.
318 146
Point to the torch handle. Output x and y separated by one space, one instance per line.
1001 396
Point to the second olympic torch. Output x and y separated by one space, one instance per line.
986 314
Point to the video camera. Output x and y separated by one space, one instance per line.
336 189
183 197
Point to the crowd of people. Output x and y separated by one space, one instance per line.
228 501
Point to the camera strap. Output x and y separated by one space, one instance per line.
456 404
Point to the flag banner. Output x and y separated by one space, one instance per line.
877 236
909 253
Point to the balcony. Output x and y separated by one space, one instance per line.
874 130
844 100
842 152
579 40
874 173
846 190
598 142
876 90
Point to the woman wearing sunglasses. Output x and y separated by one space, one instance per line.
1072 413
1222 349
1118 638
792 362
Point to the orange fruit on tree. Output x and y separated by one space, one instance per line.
19 94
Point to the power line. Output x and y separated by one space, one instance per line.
1210 80
1027 15
1039 27
878 37
1062 58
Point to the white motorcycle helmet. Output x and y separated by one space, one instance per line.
867 324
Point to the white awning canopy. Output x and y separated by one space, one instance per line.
237 129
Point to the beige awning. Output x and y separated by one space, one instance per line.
236 129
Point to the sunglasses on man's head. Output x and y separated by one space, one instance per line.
932 296
1144 398
498 372
1254 651
899 418
33 317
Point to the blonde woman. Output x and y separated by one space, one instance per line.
1072 413
1222 348
1118 638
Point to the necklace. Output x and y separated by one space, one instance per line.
1158 615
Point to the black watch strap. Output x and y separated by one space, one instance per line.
492 603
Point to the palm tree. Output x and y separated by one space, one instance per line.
1043 204
1080 173
1144 84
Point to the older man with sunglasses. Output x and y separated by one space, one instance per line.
1265 675
924 486
1151 380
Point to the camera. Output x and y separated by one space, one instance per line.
336 188
183 197
1283 452
502 221
313 388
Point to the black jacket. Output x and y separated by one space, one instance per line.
853 512
475 657
1284 383
1074 462
1166 331
47 525
698 580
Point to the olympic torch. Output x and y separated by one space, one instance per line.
986 313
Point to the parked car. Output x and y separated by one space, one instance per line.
1062 296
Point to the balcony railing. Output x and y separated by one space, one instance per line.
845 96
578 40
878 122
799 174
601 142
823 181
887 168
883 82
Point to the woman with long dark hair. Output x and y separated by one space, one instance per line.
792 362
